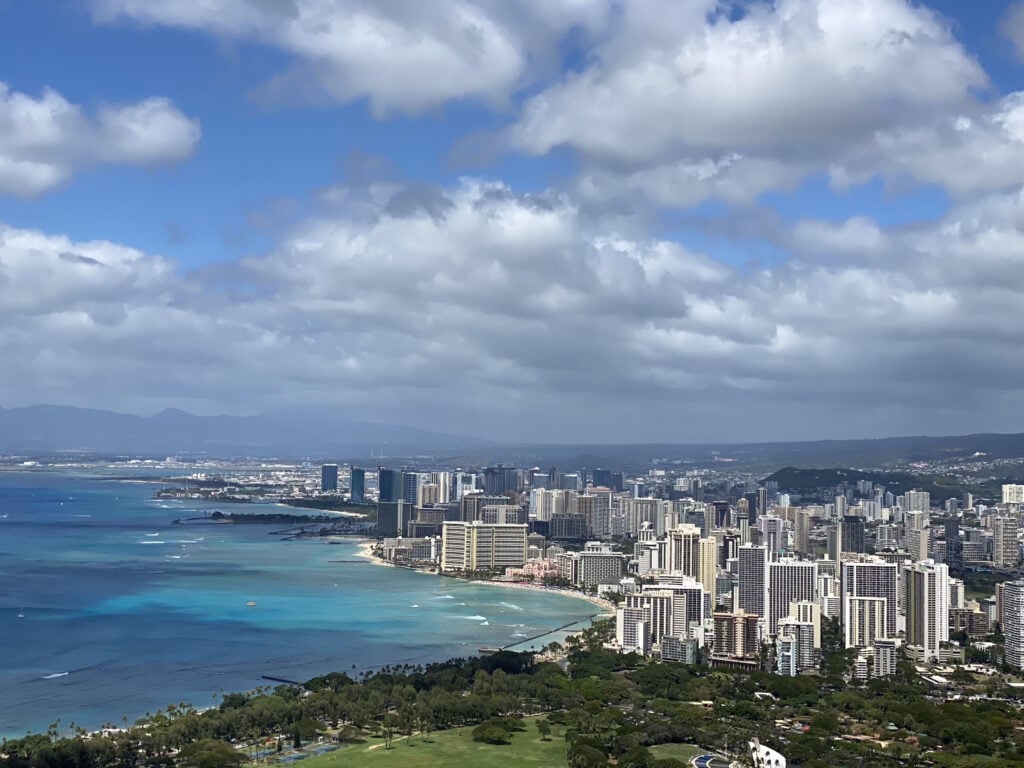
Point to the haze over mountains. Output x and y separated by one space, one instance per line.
318 432
297 431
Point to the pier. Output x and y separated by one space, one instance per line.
542 634
282 680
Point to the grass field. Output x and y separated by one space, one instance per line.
451 749
679 751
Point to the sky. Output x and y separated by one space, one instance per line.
548 220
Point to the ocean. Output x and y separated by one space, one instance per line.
124 612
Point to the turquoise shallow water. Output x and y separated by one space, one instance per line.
125 612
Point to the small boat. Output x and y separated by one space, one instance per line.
251 603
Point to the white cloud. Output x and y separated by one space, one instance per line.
706 105
966 154
1012 26
44 140
789 75
405 57
516 314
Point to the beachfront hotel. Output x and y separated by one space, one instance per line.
478 546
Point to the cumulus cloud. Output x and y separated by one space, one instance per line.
404 57
1012 26
785 75
516 314
968 153
44 140
725 106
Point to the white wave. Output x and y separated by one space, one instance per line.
485 623
474 618
443 597
153 534
519 634
414 605
513 606
81 515
174 557
152 542
55 674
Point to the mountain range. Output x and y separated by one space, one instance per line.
316 432
313 432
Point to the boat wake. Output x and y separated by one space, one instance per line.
55 675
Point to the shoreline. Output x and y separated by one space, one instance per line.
607 609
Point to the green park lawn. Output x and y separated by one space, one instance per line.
452 749
684 752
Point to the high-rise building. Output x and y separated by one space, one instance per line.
502 513
1012 617
886 656
357 486
795 648
659 612
462 483
480 546
917 535
689 604
596 509
743 510
863 580
840 507
443 481
736 636
1013 494
597 564
917 501
500 480
864 620
707 566
411 482
773 535
954 545
751 573
834 542
789 581
802 532
683 550
853 534
926 604
389 484
1004 542
329 478
393 518
762 505
808 612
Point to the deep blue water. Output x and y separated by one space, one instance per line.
125 612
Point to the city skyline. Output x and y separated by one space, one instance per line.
663 222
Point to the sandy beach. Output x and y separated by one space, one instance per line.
365 551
